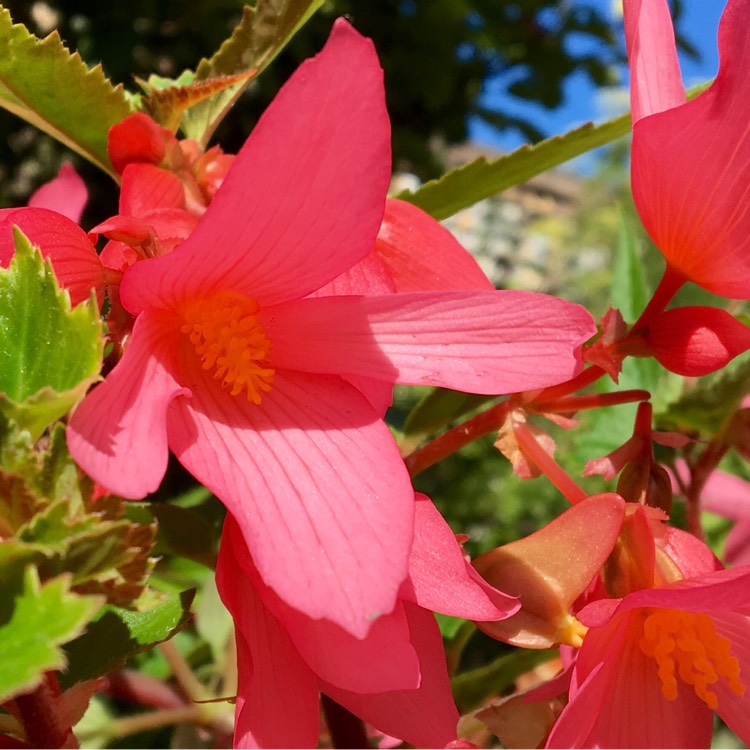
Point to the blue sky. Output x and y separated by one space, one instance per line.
583 102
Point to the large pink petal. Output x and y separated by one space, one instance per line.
383 660
66 194
655 80
146 187
277 694
691 172
422 254
316 482
118 434
440 578
73 257
305 196
732 707
483 342
719 591
425 717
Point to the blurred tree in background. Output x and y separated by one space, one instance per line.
437 55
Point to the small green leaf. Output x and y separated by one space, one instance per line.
43 618
262 33
117 634
473 182
440 407
54 90
49 354
471 689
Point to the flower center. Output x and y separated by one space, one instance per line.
686 644
229 340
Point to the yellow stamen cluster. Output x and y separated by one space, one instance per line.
230 341
686 644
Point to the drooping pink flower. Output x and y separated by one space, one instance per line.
395 678
691 161
655 664
248 378
66 194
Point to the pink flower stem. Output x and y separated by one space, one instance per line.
554 392
456 438
592 401
535 453
347 730
39 713
699 475
670 284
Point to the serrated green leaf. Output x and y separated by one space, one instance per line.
54 90
473 182
707 406
117 634
471 689
49 354
43 618
262 33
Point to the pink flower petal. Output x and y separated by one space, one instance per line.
277 694
690 172
717 591
118 434
440 578
66 194
655 80
316 482
73 257
383 660
695 341
692 556
733 708
146 187
421 254
425 717
305 196
483 342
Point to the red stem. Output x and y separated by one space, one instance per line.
457 437
40 716
535 453
592 401
670 284
586 377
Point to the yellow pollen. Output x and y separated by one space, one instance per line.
229 340
686 644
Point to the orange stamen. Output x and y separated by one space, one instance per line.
230 341
686 645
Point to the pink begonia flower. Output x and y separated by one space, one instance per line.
66 194
395 678
249 382
655 665
691 161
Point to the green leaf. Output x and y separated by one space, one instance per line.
49 354
438 408
706 407
117 634
43 618
54 90
473 182
630 291
471 689
262 33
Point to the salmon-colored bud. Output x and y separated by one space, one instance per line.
696 341
549 569
136 139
